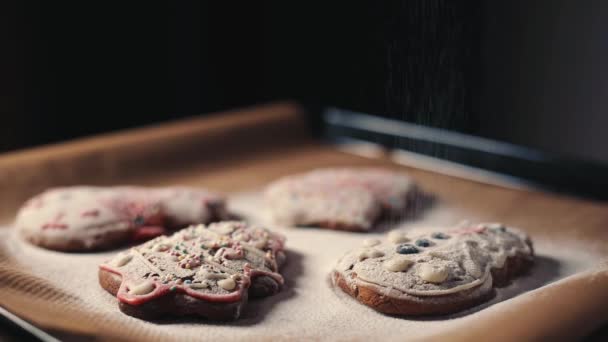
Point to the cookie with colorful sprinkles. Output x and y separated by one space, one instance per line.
353 199
208 271
441 272
83 218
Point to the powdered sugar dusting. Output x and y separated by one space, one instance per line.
354 197
308 306
443 260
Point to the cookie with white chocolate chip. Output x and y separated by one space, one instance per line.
209 271
353 199
437 273
83 218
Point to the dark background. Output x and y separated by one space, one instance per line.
529 72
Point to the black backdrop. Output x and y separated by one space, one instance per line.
83 67
530 72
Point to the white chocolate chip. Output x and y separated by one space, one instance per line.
143 288
398 264
397 236
371 242
362 256
432 274
370 253
121 260
161 247
227 284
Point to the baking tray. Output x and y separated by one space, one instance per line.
564 297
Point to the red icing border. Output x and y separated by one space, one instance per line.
161 289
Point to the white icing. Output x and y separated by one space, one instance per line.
431 293
190 263
122 260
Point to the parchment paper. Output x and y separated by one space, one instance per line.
64 286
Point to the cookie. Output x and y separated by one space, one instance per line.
441 272
83 218
347 199
209 271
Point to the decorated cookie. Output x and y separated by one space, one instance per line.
347 199
86 218
208 271
440 272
